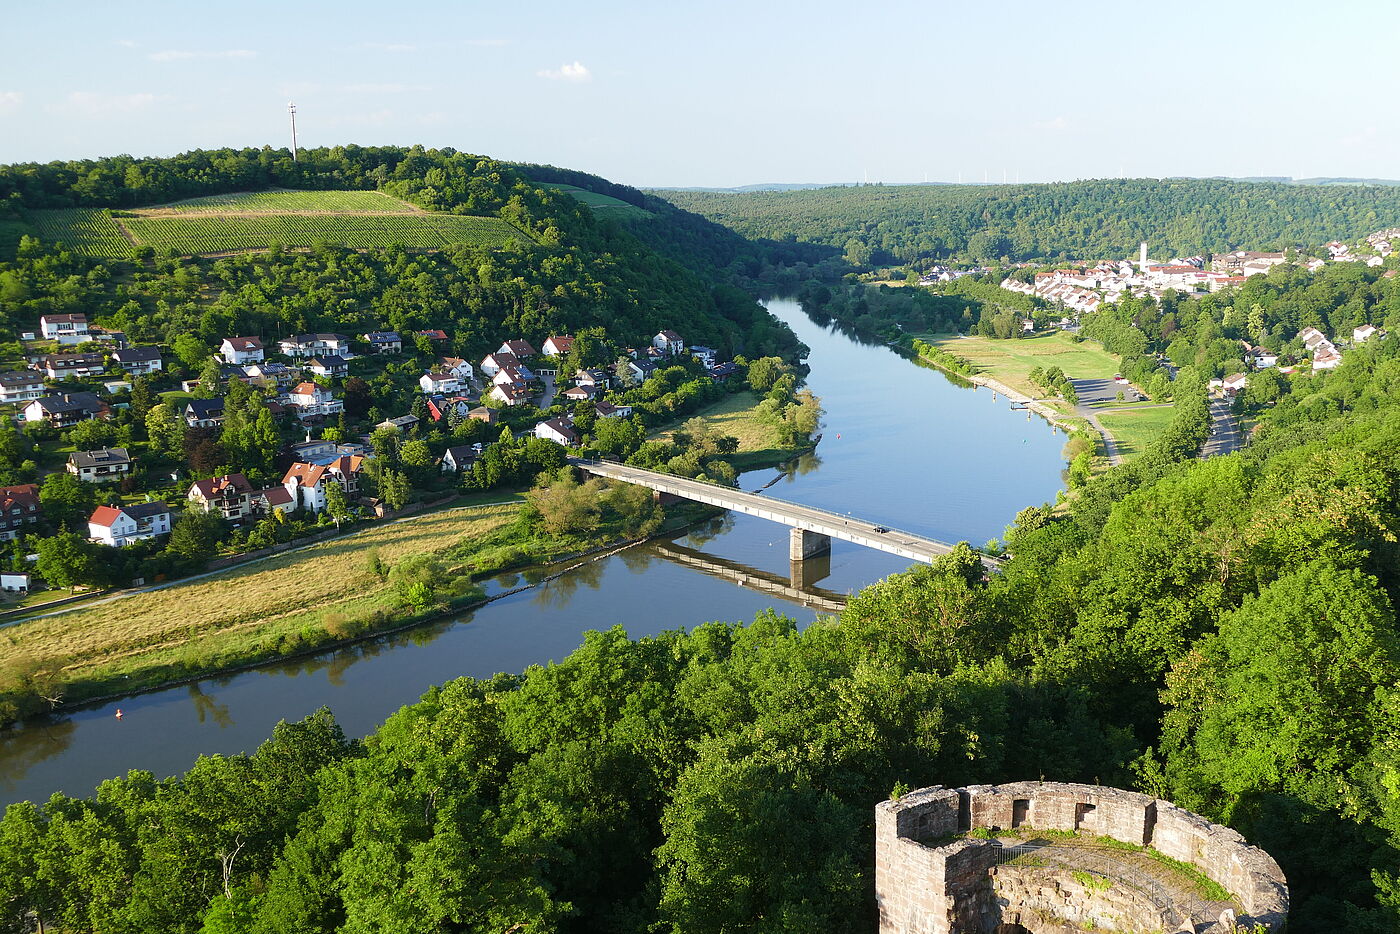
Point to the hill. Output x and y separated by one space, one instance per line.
254 220
884 225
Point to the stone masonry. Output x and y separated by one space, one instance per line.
928 881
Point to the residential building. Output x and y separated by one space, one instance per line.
434 334
440 407
14 581
273 499
101 466
484 414
521 349
1234 262
492 363
204 413
722 371
598 379
706 355
641 370
669 343
456 365
307 482
608 410
510 394
66 329
312 400
558 346
121 525
512 374
19 506
440 383
384 341
400 423
139 360
328 365
578 393
1235 384
310 345
1326 358
558 430
73 365
458 458
66 409
231 496
241 350
1358 335
21 386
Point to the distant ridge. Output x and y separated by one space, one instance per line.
812 186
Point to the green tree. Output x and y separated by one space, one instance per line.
66 559
66 499
337 503
195 536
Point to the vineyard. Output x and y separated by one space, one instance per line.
255 220
285 202
601 204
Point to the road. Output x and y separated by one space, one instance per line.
1225 435
1090 391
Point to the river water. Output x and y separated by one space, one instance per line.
902 445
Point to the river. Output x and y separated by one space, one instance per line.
903 445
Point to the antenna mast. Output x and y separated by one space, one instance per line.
292 109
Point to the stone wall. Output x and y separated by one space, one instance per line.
1056 901
928 883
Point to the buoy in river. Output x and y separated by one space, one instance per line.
119 713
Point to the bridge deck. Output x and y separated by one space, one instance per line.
847 528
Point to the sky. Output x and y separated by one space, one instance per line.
725 93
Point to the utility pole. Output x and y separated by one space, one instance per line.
292 109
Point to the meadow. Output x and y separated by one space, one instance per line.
1011 361
1133 429
601 204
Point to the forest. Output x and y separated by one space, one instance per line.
884 225
1220 633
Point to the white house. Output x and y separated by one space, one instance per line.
458 458
706 355
520 348
1364 333
231 496
669 343
435 382
310 399
122 525
307 482
1235 384
510 394
328 365
384 341
21 386
241 350
455 365
511 374
14 582
492 363
100 466
310 345
139 360
558 346
557 430
204 413
1326 358
66 329
63 411
608 410
641 370
70 365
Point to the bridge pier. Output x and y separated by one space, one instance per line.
804 544
804 574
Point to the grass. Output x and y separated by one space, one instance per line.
760 444
603 205
1011 361
254 220
1135 429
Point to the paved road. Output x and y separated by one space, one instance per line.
1225 431
847 528
1090 391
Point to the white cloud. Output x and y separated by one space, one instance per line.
1056 123
96 104
10 101
574 71
126 43
181 55
386 88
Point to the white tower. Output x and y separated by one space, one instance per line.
1142 254
292 109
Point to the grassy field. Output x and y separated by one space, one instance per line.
1011 361
262 609
1135 429
253 220
737 415
604 205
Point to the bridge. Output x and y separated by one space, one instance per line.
799 588
812 528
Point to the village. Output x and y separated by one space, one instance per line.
295 386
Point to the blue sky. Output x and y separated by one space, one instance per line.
725 93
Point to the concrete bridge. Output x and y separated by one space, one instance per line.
812 528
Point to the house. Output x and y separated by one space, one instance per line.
19 506
641 370
434 382
62 411
66 329
139 360
1234 262
456 365
1234 384
595 378
400 423
100 466
273 499
14 581
271 374
434 334
458 458
241 350
510 394
493 363
557 430
122 525
384 341
440 407
231 496
558 346
578 393
669 343
512 374
312 400
1326 358
484 414
307 482
204 413
722 372
311 345
519 348
1258 358
70 365
1310 336
706 355
314 452
1364 333
608 410
328 365
20 386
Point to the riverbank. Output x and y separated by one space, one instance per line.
307 601
740 416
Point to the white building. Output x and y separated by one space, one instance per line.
66 329
21 386
122 525
557 430
307 482
669 343
241 350
311 345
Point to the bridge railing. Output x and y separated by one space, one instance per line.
891 531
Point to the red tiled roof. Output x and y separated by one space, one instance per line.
104 516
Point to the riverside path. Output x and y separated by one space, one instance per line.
812 528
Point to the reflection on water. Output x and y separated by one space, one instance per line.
901 446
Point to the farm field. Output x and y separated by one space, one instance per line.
1011 361
605 205
285 202
89 231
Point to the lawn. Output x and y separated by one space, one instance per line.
1135 429
252 611
1011 361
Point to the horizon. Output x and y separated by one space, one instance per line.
608 90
